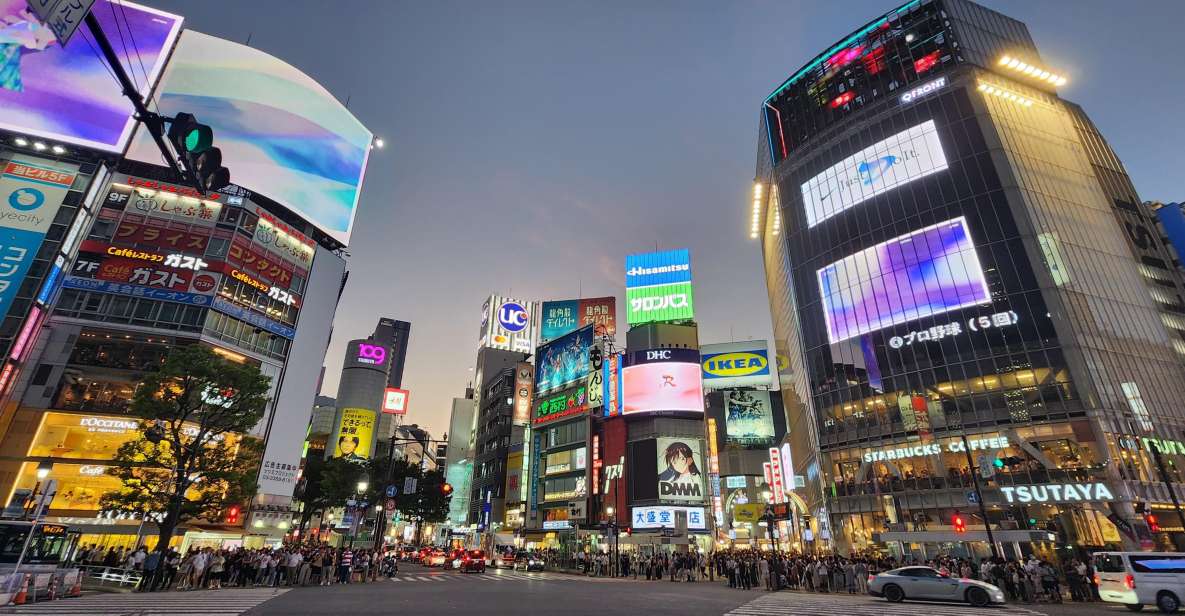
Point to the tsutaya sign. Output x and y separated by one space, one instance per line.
1057 493
933 449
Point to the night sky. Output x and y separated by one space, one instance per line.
531 145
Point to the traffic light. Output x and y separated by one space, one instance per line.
446 489
194 143
232 514
1153 525
959 524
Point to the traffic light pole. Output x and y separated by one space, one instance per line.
978 494
151 120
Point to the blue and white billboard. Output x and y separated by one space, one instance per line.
736 364
31 191
655 268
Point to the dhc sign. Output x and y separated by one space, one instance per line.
1057 493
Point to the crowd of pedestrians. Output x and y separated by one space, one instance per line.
1030 580
209 568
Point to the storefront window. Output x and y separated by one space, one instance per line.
107 394
80 486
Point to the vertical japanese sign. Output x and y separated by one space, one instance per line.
714 473
524 389
775 470
612 380
596 376
31 192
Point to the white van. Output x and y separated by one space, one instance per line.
1136 579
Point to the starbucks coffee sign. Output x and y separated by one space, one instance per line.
1057 493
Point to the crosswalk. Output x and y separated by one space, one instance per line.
803 604
227 602
490 576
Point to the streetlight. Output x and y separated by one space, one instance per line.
613 543
359 510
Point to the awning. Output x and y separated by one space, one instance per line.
950 536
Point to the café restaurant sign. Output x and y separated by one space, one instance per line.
1057 493
933 449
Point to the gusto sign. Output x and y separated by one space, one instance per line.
372 354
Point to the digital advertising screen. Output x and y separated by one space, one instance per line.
748 417
926 272
563 361
68 94
909 155
655 268
680 469
662 381
281 133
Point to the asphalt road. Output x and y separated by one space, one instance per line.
427 592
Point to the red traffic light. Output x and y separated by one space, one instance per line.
1153 525
959 524
232 514
447 489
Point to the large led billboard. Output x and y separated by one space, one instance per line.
662 381
67 94
561 317
563 361
736 364
922 273
282 134
902 158
658 287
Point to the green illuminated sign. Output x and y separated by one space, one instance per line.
661 302
561 405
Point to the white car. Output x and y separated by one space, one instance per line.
1136 579
928 584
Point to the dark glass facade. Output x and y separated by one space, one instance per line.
946 257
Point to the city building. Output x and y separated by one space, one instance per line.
152 264
509 329
395 335
459 468
964 313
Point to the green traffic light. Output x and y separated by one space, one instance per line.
198 139
998 463
1032 520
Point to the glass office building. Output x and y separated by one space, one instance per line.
958 297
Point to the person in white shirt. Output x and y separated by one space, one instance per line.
293 564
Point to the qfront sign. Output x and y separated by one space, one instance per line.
1058 493
923 90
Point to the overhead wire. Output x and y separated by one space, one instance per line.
124 44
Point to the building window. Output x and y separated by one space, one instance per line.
1136 403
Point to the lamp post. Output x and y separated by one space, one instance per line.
360 508
613 542
378 518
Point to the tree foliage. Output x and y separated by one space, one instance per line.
189 459
327 483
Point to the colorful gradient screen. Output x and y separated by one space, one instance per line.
919 274
67 94
662 387
281 133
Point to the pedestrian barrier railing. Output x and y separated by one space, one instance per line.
40 584
98 575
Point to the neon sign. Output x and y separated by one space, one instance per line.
371 354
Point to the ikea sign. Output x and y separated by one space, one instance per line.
736 364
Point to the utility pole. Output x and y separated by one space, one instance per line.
1164 476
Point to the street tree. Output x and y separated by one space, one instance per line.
326 483
190 459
